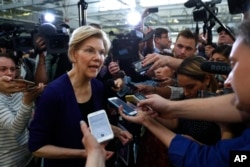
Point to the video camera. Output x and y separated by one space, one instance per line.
56 40
200 13
16 37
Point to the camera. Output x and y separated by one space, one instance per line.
56 41
201 13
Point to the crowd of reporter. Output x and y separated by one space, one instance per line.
177 116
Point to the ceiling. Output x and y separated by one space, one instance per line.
175 17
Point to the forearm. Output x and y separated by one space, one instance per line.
168 123
54 152
116 130
172 62
95 159
40 73
162 133
15 123
219 109
163 91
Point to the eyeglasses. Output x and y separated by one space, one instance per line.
4 69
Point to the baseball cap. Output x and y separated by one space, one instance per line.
219 29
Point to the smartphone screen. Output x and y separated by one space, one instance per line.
100 126
126 108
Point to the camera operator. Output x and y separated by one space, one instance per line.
54 49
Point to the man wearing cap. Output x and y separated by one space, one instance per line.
224 37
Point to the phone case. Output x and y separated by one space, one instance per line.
117 102
99 126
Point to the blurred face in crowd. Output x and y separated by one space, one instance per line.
184 47
163 42
191 86
240 60
208 50
217 57
224 38
89 58
7 67
163 72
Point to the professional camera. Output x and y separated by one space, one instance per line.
200 13
55 39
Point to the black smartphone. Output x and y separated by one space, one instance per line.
117 102
153 10
139 68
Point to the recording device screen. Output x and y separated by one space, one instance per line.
100 126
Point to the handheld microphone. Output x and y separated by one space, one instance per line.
216 67
111 83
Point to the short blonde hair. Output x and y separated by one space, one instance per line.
83 33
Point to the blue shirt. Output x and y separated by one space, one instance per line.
185 152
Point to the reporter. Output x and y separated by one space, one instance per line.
95 152
236 107
15 113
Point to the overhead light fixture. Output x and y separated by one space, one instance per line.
49 17
133 18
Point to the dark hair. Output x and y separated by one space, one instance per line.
160 31
225 50
10 55
191 67
187 33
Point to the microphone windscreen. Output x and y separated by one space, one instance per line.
216 67
121 74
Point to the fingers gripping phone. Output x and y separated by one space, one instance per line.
139 68
117 102
99 126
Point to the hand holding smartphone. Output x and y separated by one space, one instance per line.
139 68
99 126
117 102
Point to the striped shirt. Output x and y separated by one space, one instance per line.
14 119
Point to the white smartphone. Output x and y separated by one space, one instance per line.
99 126
117 102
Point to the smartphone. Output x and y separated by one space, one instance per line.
24 81
134 99
139 68
127 109
99 126
153 10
